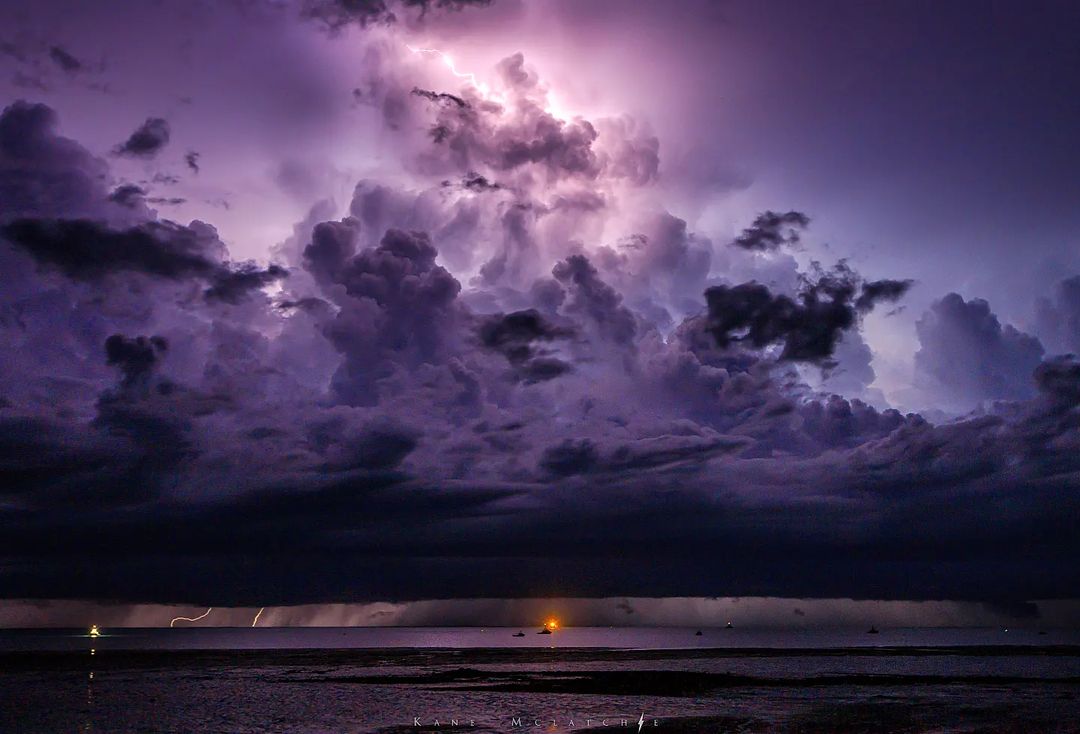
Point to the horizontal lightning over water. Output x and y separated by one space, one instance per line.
190 619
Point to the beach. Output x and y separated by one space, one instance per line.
122 686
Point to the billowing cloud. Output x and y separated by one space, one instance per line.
505 362
42 173
968 356
1058 317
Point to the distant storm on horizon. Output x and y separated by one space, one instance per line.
313 302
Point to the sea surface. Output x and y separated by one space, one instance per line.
392 680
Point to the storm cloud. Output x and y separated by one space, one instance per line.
496 355
771 230
147 140
966 350
809 326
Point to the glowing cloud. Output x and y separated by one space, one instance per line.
480 86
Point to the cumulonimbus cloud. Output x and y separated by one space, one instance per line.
480 388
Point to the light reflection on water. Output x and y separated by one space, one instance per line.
311 680
296 638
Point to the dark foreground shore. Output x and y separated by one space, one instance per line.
886 689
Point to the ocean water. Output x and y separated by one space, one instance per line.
393 680
653 638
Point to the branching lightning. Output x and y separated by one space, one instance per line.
484 90
480 86
257 615
190 619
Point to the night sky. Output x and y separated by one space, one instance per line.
314 301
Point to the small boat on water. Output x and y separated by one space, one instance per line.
729 626
697 634
94 632
519 634
872 631
544 631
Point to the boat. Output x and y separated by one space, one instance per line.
94 632
697 634
872 631
729 626
544 631
519 634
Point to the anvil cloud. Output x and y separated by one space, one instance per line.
519 359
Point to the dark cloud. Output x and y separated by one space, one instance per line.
336 14
455 5
968 356
572 456
771 230
441 98
881 291
1059 380
191 160
147 141
514 335
166 200
90 251
64 60
396 307
42 173
85 249
128 195
379 445
808 326
135 357
232 286
475 182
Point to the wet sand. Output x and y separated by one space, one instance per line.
1002 689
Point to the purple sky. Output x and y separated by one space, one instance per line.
314 301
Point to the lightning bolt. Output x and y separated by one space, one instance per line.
480 86
641 722
190 619
257 615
